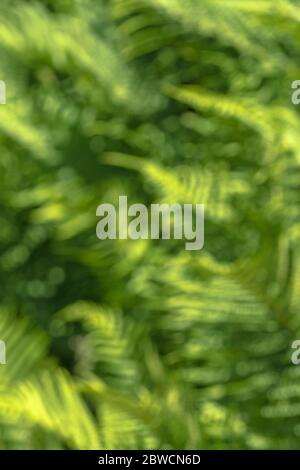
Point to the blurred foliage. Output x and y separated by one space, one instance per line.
141 344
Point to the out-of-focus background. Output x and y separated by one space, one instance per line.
141 344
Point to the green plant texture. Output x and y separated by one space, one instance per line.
140 344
